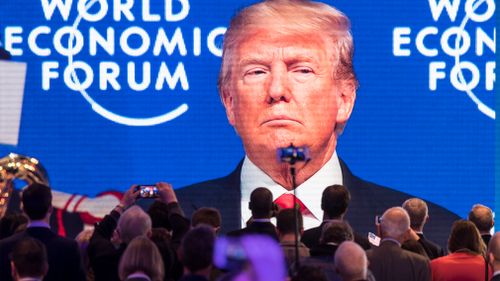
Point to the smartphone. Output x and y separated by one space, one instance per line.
147 191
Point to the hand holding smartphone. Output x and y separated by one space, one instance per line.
147 191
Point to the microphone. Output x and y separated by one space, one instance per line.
293 154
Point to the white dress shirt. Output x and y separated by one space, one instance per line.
309 192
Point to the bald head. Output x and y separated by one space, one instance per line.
395 223
418 212
482 217
351 262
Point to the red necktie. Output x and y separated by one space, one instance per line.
285 201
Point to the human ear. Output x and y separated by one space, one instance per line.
346 99
227 101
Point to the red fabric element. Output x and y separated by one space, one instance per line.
286 201
60 223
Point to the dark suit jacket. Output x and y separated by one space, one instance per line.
103 256
367 201
432 249
495 278
63 255
389 262
311 237
265 228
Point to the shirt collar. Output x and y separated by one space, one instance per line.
38 223
309 192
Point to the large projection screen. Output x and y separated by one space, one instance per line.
142 105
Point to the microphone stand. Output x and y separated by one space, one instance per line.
295 214
292 155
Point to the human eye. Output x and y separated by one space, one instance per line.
303 70
255 72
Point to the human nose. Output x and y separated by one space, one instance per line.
278 89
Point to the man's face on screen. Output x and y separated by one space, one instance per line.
283 91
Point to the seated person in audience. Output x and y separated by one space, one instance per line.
334 203
389 262
351 262
262 207
196 253
466 260
141 261
419 215
482 217
29 260
208 216
63 254
493 256
285 226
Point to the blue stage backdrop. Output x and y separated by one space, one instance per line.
122 92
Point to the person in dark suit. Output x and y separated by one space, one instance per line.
63 254
482 217
262 207
334 203
112 235
419 215
493 256
287 78
29 260
389 262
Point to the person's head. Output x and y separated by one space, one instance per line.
132 223
418 212
208 216
10 223
334 201
482 217
395 224
29 259
287 77
285 222
37 201
141 255
351 262
197 248
336 232
261 203
464 235
493 253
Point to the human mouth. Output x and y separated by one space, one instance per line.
280 120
